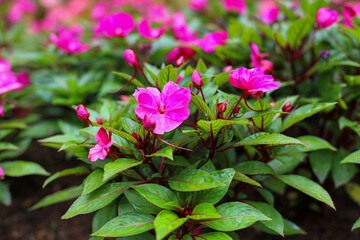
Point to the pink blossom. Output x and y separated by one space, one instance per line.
118 24
19 8
158 13
349 13
102 147
168 108
269 11
227 68
181 30
253 81
325 17
257 59
68 42
100 10
124 98
235 5
211 40
198 5
2 173
5 65
9 81
180 53
49 3
146 31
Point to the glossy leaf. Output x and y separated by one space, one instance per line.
204 211
254 167
164 152
243 178
321 162
7 146
218 124
352 158
342 173
166 222
167 74
103 216
72 171
263 138
356 225
315 143
202 107
93 181
308 187
213 236
22 168
118 166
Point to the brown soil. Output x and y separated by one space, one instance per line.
45 224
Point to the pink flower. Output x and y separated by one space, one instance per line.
158 14
257 59
146 31
349 13
100 10
68 42
10 82
5 65
269 12
198 5
102 147
168 108
325 17
181 30
2 173
235 5
19 8
252 80
118 24
82 113
180 53
211 40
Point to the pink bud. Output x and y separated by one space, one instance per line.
99 120
178 79
180 61
287 107
2 174
124 98
82 113
197 79
131 58
222 107
237 109
149 122
1 111
227 68
272 104
325 17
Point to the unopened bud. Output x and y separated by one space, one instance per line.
227 68
149 122
99 120
180 61
286 107
197 80
222 107
82 113
131 58
178 79
237 109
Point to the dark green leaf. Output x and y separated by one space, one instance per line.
103 216
166 222
204 211
72 171
243 178
352 158
5 195
356 225
315 143
298 30
321 162
213 236
117 166
254 167
167 74
263 138
202 107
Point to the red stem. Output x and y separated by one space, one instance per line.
132 78
171 145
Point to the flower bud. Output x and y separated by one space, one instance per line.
178 79
149 122
227 68
82 113
99 120
180 61
197 80
237 109
2 174
325 17
222 107
131 58
286 107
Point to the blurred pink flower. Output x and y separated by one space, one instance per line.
5 65
50 3
168 108
181 30
198 5
235 5
269 11
257 59
102 147
252 80
19 8
100 10
227 68
211 40
68 42
325 17
158 13
178 79
2 173
9 81
180 53
349 13
118 24
146 31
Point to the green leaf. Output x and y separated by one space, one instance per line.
263 121
243 178
254 167
140 204
193 180
204 211
235 216
289 13
342 173
315 143
321 162
297 31
57 197
103 216
164 152
7 146
276 223
126 225
353 190
93 181
22 168
291 228
5 195
167 74
72 171
157 194
96 199
273 34
308 187
213 236
166 222
124 135
217 125
202 107
117 166
356 225
263 138
302 113
352 158
201 67
354 125
128 77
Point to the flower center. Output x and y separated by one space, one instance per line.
162 108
